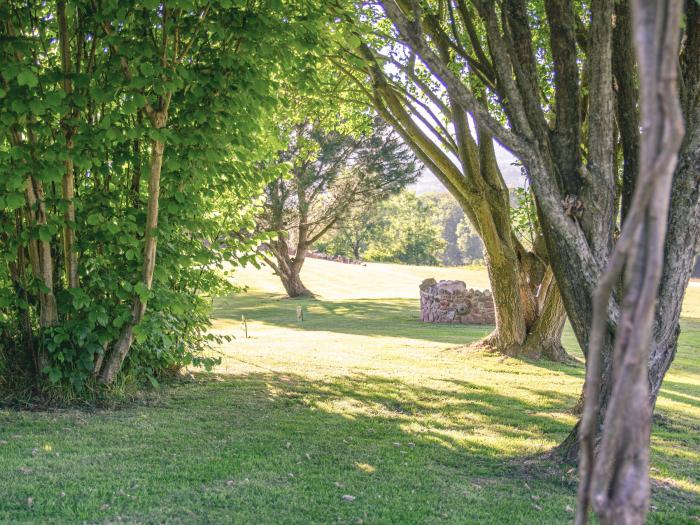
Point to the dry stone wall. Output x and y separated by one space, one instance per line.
334 258
451 302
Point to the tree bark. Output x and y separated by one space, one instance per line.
288 267
480 190
121 348
544 335
69 252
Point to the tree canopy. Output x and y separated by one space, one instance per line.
131 134
331 175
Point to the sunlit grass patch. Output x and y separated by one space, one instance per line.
360 400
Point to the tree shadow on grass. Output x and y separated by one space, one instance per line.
275 447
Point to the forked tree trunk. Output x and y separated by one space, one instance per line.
293 285
288 267
529 312
544 334
537 336
524 326
681 240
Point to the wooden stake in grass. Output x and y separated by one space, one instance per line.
244 323
300 313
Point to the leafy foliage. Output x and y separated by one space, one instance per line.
426 229
95 91
401 229
327 173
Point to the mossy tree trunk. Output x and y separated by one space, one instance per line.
528 308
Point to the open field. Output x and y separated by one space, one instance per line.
361 401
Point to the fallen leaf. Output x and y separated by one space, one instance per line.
569 509
348 497
105 506
338 484
26 470
396 444
230 483
30 502
35 451
536 498
536 506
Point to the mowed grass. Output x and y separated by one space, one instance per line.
358 414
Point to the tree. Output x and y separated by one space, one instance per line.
331 173
405 232
463 244
352 235
616 480
570 115
433 120
123 129
406 228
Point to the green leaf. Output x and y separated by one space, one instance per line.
44 234
94 219
141 290
14 201
102 318
55 374
27 78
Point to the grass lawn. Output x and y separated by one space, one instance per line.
360 414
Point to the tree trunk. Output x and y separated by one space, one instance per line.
544 334
42 263
482 194
681 240
288 268
511 329
293 285
113 363
69 252
530 314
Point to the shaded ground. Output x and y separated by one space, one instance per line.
361 400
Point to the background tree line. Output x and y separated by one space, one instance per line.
409 228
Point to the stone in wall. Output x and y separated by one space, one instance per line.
452 302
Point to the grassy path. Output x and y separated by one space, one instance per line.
360 414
